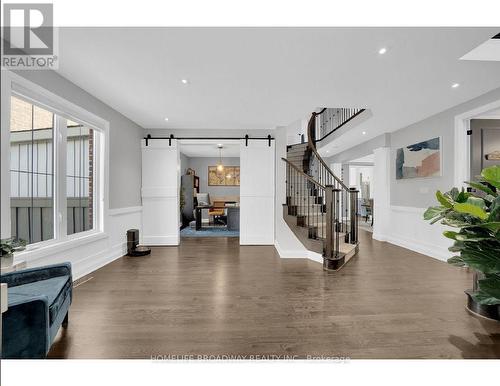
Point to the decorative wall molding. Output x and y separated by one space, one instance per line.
160 240
98 260
89 252
409 230
127 210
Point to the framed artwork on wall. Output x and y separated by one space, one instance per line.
419 160
229 176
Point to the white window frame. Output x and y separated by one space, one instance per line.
12 85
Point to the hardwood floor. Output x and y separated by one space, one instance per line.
213 297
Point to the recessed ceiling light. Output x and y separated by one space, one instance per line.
184 81
455 85
364 132
382 51
328 151
166 119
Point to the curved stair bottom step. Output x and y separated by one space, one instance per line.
347 251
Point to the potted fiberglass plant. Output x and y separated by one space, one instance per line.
476 217
7 249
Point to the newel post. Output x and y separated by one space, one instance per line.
353 192
329 221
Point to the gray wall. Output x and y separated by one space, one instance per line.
420 192
201 164
125 149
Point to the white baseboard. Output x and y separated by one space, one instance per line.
161 240
290 254
435 251
406 228
255 240
297 254
99 260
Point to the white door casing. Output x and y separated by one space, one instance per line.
160 192
257 174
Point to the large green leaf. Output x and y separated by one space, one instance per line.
495 210
472 209
490 286
484 298
492 175
486 261
432 212
482 187
493 226
457 246
476 201
455 223
457 261
444 200
450 234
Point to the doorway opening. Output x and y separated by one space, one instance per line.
209 195
360 176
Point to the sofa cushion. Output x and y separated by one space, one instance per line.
56 289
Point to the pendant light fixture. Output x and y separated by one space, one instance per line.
220 166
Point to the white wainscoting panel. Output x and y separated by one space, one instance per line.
409 230
160 193
257 193
86 254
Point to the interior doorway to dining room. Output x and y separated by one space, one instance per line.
209 196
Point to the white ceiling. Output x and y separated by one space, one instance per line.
250 78
209 148
489 50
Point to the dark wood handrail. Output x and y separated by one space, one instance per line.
338 127
308 177
311 128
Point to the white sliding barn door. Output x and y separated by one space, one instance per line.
160 193
257 193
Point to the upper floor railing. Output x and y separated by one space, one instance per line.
329 120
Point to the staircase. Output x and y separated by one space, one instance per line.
320 209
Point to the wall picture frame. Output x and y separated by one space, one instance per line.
419 160
229 176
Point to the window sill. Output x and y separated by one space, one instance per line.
35 252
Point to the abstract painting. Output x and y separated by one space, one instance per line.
422 159
229 176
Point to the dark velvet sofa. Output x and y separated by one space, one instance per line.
39 301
